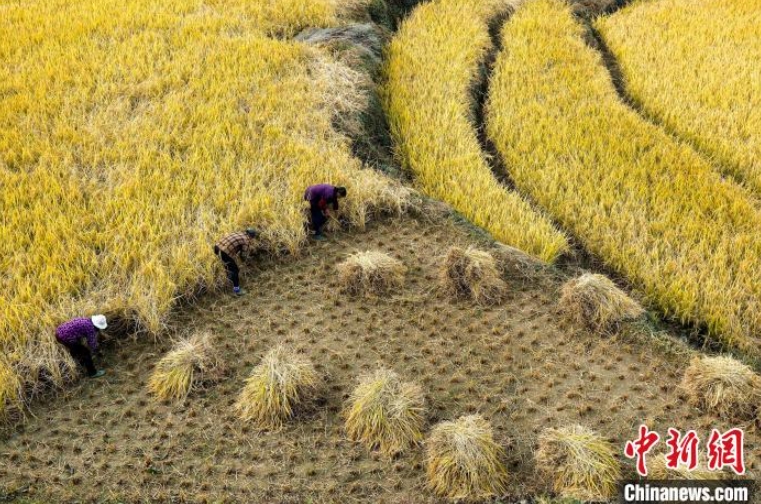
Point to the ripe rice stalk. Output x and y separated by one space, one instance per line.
692 94
346 97
139 137
10 390
622 185
281 382
472 274
594 301
431 66
723 386
579 462
463 460
370 272
386 413
188 366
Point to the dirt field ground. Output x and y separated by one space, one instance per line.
519 364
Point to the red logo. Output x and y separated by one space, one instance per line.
682 450
726 450
640 447
723 449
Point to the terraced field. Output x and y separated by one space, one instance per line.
433 64
651 208
126 149
693 67
467 349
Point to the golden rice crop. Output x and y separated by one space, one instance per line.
473 274
386 413
432 64
282 381
724 386
653 209
9 392
133 134
371 271
581 464
463 460
594 301
189 364
694 67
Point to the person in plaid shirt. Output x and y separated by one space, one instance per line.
320 197
70 334
229 247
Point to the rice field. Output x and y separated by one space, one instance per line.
651 208
519 365
413 359
133 134
432 65
693 66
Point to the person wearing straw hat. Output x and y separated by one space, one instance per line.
70 334
229 247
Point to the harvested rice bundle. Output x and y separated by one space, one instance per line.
370 272
385 413
594 301
580 462
724 386
276 386
472 273
657 470
188 365
463 460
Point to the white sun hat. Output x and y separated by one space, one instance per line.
99 321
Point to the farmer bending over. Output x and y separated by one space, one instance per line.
320 196
70 334
230 246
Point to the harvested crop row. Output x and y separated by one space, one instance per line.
131 136
431 68
651 208
693 65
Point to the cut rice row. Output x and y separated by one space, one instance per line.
463 459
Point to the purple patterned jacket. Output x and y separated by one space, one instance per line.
72 331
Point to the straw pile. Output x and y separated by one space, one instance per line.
281 382
463 461
594 301
580 463
370 272
723 386
472 274
385 413
190 364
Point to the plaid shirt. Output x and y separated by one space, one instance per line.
234 243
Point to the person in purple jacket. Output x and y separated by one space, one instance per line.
320 198
70 335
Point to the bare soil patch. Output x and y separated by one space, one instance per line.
519 363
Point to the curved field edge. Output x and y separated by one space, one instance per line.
651 208
131 138
432 64
693 67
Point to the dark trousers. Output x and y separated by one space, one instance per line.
318 217
230 266
82 355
